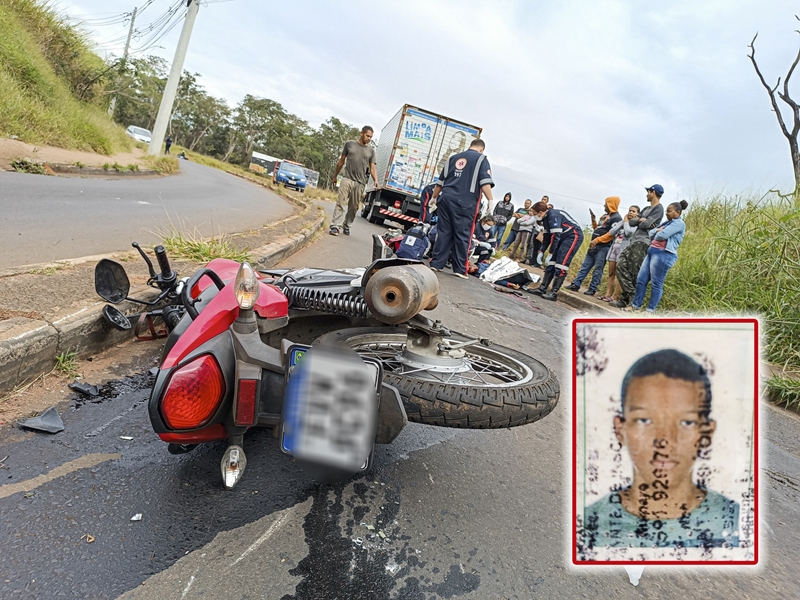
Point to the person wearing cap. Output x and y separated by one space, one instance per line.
457 196
598 248
631 259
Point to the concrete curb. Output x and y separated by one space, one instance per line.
28 347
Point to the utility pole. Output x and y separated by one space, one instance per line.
113 104
171 89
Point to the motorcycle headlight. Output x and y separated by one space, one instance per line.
246 287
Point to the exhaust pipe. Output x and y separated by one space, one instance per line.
396 294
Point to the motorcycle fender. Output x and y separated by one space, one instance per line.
391 415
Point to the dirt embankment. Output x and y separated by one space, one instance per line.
14 149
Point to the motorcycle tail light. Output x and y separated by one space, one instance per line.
397 203
246 402
193 394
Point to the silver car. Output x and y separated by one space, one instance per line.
139 134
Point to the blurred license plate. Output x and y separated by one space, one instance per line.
330 407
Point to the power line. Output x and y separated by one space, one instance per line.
549 192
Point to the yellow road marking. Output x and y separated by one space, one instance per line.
83 462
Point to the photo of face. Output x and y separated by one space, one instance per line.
666 470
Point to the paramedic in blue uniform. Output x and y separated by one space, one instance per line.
564 237
424 200
457 197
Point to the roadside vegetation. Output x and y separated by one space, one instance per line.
741 255
52 83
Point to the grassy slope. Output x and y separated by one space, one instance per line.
36 104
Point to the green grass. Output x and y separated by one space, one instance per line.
202 251
25 165
742 256
46 66
192 246
67 363
785 391
165 165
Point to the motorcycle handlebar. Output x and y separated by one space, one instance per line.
163 261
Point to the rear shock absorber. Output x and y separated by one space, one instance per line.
331 302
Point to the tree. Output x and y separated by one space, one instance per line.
139 91
791 136
330 139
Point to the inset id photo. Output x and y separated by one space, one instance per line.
665 441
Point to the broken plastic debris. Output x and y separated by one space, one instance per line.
84 388
370 528
127 438
137 517
358 541
49 421
634 573
383 535
392 567
88 537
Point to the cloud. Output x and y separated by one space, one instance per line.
580 99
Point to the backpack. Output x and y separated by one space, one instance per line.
414 244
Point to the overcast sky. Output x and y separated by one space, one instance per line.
577 99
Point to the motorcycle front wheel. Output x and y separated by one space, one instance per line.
494 387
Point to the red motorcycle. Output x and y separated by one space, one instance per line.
334 361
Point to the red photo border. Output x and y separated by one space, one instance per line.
756 441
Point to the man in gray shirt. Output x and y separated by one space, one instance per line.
631 259
358 158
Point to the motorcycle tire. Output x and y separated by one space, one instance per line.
480 406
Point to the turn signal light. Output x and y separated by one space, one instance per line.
246 287
194 393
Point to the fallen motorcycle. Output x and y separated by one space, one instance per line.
334 361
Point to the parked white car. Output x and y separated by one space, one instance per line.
139 134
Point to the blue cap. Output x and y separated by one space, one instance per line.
657 188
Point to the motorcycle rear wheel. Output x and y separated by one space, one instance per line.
500 388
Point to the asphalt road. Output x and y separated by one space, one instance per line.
479 515
46 219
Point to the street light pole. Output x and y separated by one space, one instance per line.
122 64
171 89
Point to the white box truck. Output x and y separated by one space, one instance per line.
412 150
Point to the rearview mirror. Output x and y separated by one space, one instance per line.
114 317
111 282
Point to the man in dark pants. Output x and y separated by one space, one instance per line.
457 197
564 236
168 143
631 259
598 250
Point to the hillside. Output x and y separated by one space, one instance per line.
52 82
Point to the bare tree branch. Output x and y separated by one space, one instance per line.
785 96
770 91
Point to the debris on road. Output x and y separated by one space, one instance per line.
84 388
49 421
358 541
137 517
127 438
383 535
88 537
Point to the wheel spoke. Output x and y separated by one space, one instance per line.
482 369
